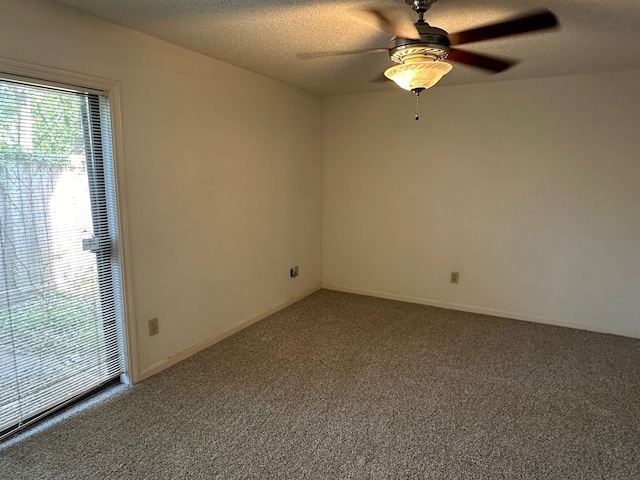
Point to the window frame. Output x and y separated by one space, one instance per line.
54 77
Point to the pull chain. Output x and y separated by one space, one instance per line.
417 92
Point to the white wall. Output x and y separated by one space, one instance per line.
223 175
529 189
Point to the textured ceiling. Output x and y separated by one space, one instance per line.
264 36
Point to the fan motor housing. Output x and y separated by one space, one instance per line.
433 43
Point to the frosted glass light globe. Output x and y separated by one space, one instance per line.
418 74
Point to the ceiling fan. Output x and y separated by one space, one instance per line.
418 56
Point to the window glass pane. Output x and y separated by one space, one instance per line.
58 331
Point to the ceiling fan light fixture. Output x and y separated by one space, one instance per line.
418 74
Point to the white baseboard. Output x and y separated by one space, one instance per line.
184 354
482 310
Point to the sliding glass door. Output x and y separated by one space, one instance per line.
60 303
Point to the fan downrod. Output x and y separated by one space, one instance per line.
420 7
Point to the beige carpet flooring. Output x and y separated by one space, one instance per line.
345 386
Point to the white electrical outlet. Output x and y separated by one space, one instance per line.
293 271
154 328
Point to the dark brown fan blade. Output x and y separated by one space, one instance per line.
493 64
309 55
393 24
539 20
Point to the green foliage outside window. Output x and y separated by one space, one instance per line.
41 127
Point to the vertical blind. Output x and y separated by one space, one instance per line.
60 300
